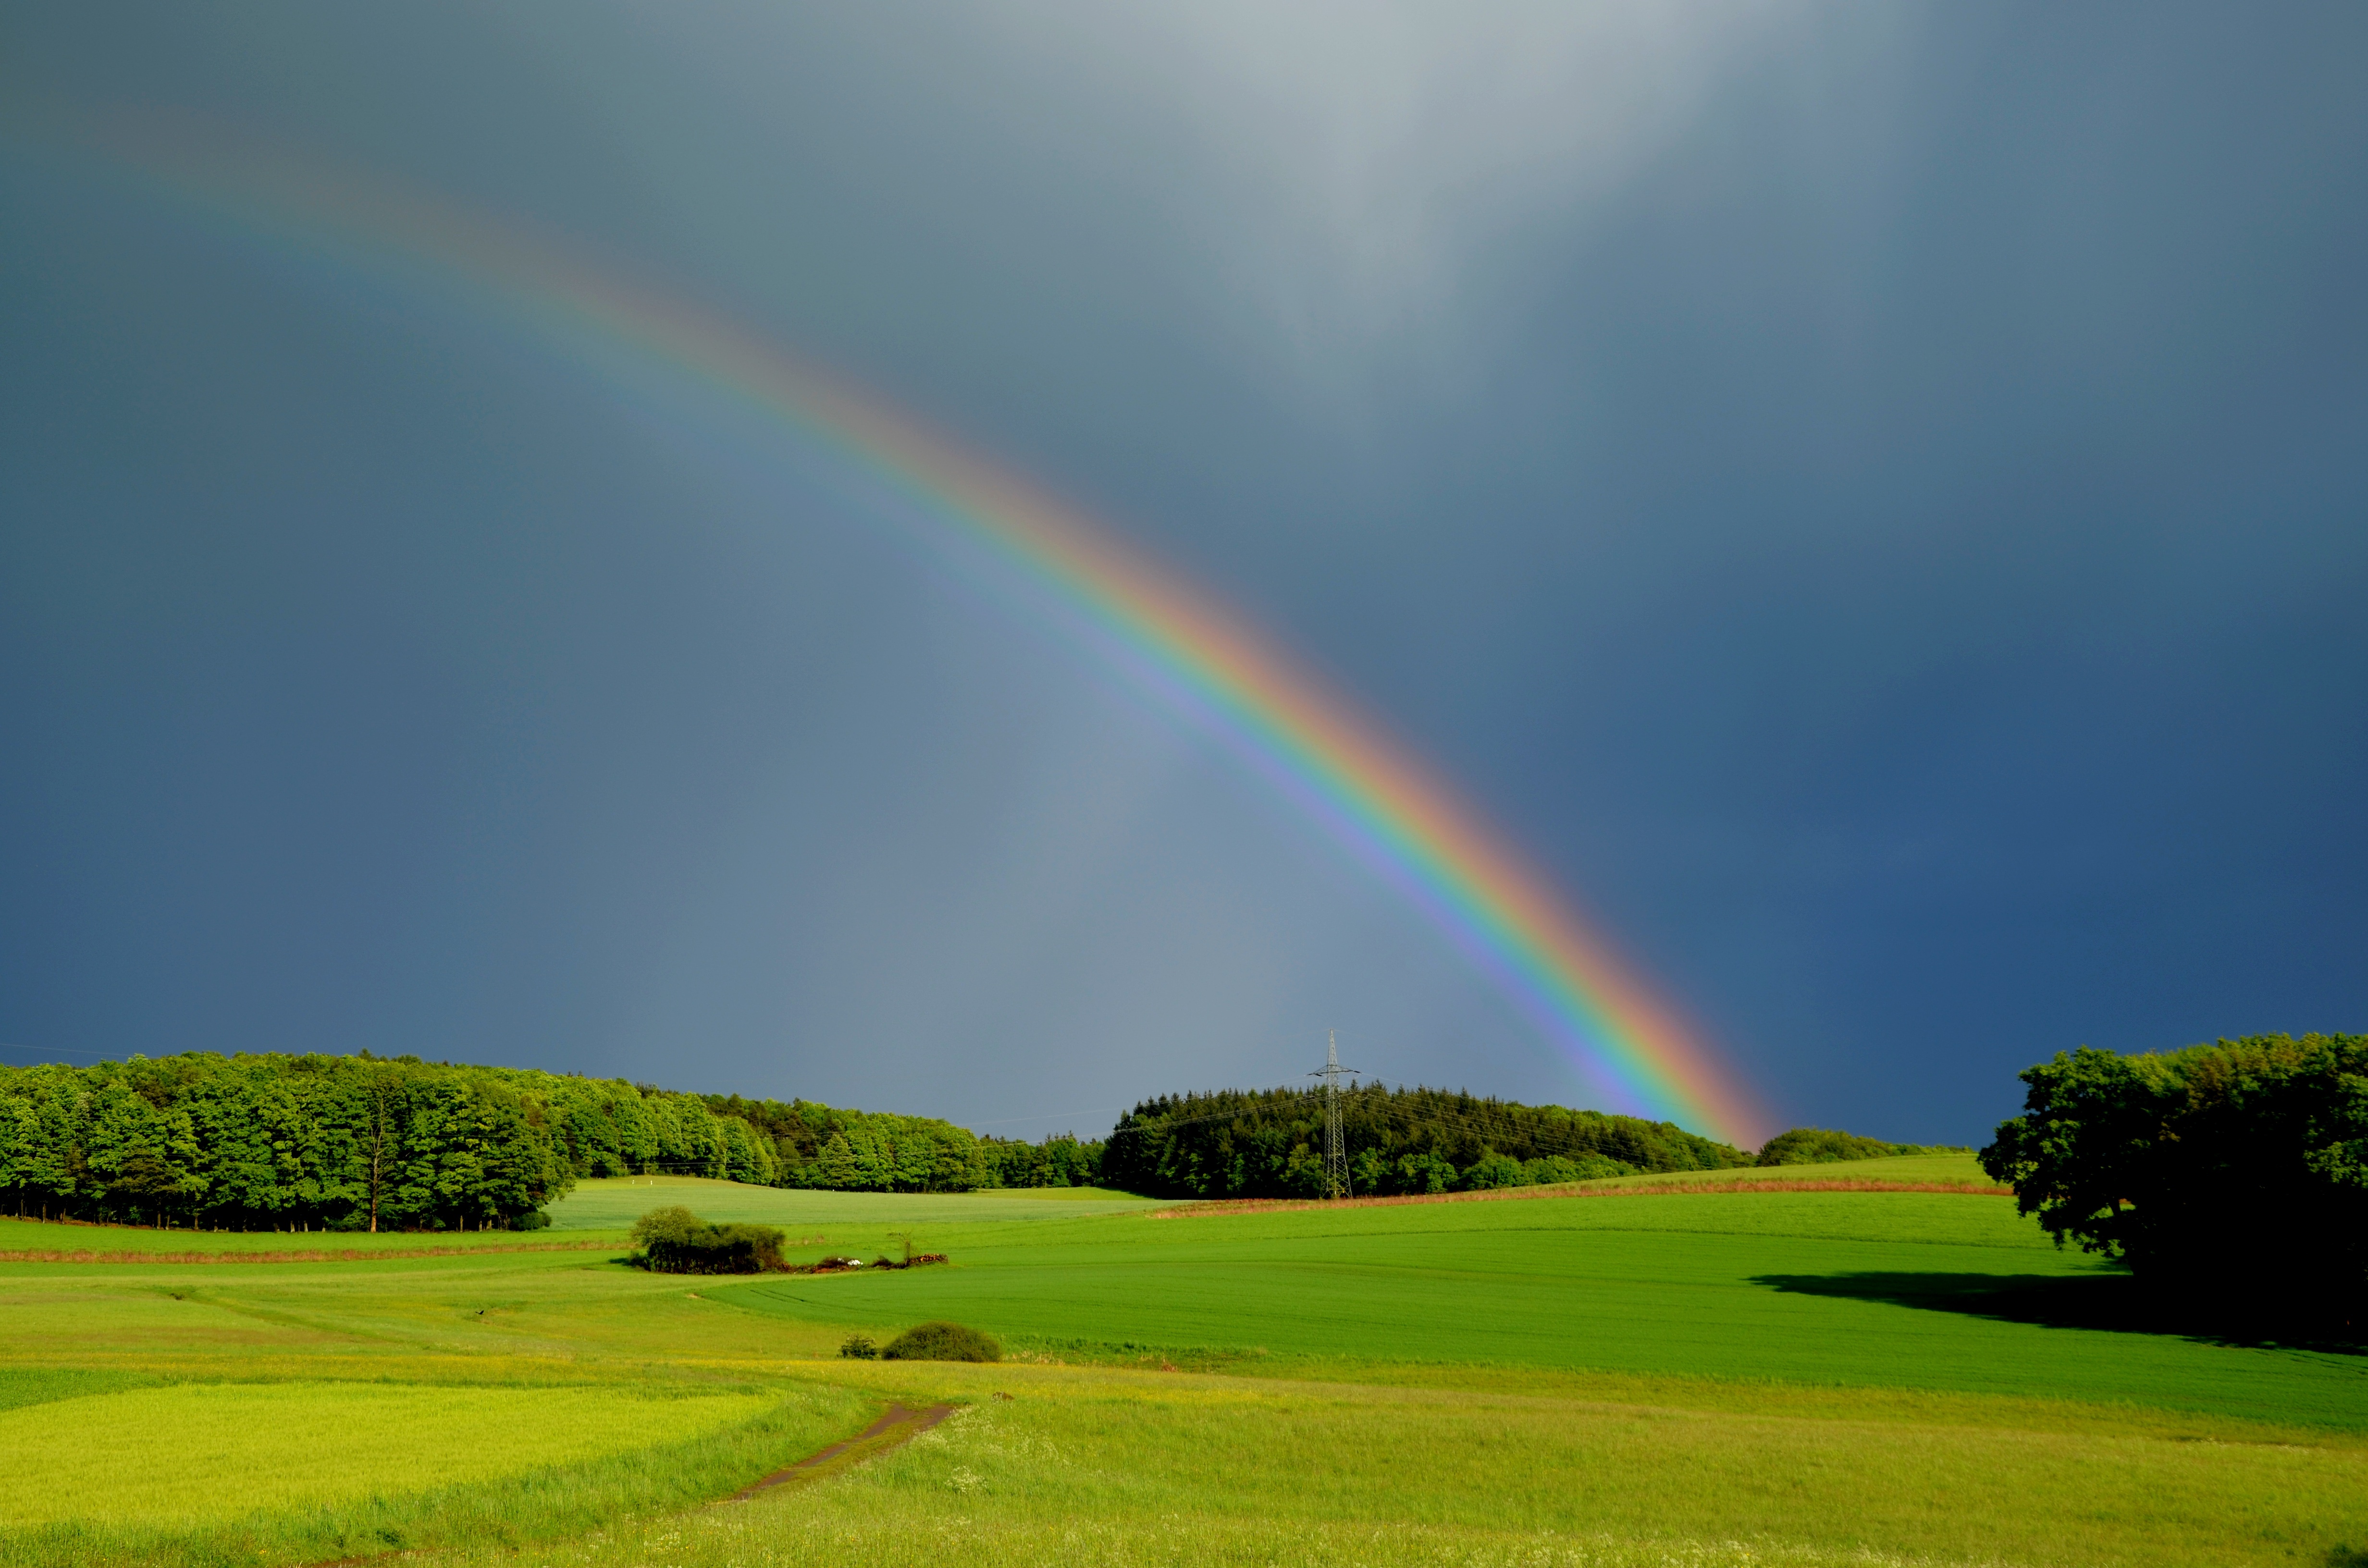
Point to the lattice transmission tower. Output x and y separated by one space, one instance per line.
1336 1149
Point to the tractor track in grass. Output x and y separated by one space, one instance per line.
898 1423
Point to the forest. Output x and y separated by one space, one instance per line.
304 1142
1269 1143
360 1142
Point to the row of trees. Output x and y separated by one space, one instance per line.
364 1143
861 1151
1062 1161
2233 1175
1238 1143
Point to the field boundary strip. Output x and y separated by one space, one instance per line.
1217 1205
317 1254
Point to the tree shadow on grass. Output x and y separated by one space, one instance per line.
2116 1303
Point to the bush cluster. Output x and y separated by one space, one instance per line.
941 1341
2233 1175
673 1240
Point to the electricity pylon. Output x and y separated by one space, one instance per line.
1336 1150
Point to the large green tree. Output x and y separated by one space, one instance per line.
2233 1175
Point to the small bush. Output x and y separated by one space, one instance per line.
675 1241
859 1348
532 1220
941 1342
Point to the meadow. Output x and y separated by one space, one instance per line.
1729 1377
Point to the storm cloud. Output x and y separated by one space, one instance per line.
1871 498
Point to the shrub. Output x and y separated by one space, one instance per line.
532 1220
673 1240
2234 1175
1494 1170
1424 1173
941 1342
859 1348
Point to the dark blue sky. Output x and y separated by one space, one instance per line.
1873 499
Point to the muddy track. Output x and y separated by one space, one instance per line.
899 1425
904 1424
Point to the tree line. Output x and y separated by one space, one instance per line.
824 1147
1269 1143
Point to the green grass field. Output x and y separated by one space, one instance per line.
1702 1378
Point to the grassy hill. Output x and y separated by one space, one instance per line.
1600 1378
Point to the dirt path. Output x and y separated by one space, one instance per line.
906 1425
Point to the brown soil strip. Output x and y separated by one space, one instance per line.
1514 1194
907 1424
321 1255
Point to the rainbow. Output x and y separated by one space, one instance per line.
1401 820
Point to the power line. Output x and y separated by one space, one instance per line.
67 1050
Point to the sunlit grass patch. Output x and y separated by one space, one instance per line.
877 1538
199 1454
428 1467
